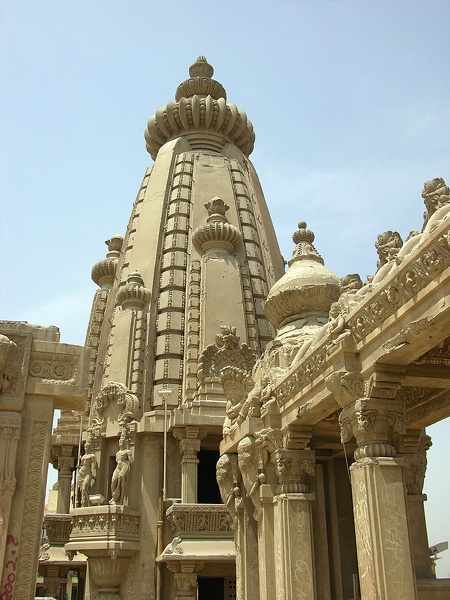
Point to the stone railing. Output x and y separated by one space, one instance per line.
199 520
105 523
58 528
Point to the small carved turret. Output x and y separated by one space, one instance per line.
202 115
133 294
104 272
217 233
308 288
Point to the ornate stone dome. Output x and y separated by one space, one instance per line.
201 114
307 289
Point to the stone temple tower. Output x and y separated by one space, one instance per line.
175 329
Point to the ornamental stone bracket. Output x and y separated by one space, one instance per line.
109 536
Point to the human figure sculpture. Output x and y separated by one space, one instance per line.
88 464
388 245
436 196
124 459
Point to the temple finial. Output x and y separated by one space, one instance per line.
201 68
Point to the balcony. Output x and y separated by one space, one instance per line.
58 528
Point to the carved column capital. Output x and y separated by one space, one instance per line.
186 585
189 448
292 468
373 422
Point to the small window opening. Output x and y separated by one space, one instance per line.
207 488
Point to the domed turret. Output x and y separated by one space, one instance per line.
307 290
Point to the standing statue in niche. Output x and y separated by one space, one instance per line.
124 459
86 479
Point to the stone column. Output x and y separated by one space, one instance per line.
10 423
266 544
379 503
65 467
414 477
294 551
189 448
52 581
246 540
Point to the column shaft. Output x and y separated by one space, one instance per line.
381 526
294 553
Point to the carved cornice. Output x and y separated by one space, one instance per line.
412 276
439 355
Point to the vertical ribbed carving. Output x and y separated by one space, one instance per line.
132 224
138 352
192 329
93 336
169 345
107 365
256 252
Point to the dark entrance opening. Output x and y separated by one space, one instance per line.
207 488
211 588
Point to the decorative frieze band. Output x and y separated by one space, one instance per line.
198 519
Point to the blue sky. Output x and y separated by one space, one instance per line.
349 101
